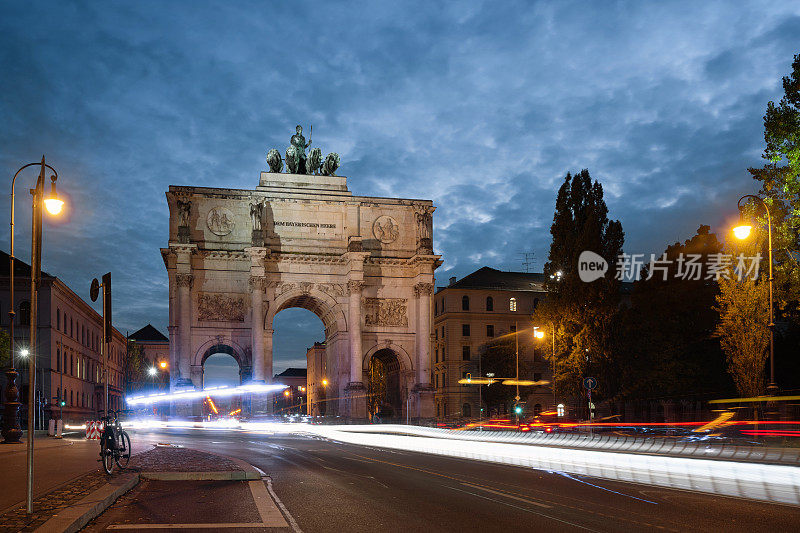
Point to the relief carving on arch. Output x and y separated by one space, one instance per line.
385 311
213 307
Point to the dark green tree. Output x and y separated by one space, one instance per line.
780 185
5 350
667 345
581 312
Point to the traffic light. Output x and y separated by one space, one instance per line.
63 403
518 409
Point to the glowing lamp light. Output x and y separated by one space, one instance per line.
324 382
152 371
742 231
538 334
52 203
24 352
163 365
286 393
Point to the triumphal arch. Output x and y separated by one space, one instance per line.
300 238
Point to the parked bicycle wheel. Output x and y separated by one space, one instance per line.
106 457
123 456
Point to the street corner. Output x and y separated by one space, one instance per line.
174 463
203 505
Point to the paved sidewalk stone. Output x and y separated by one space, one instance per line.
50 504
174 459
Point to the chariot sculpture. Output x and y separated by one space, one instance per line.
297 162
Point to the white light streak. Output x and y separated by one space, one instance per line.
218 392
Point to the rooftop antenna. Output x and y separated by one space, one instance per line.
528 261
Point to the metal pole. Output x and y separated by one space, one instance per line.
480 392
772 388
516 350
36 246
553 383
104 355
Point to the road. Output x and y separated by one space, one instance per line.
330 486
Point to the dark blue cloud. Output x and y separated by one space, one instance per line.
482 107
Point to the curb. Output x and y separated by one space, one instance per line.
78 515
230 475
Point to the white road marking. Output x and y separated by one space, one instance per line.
286 513
508 495
270 514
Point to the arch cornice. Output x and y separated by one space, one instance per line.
240 353
320 303
402 355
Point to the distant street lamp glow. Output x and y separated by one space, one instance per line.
24 352
152 371
52 203
163 365
743 231
324 382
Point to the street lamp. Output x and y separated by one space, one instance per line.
742 231
11 430
152 371
163 365
23 352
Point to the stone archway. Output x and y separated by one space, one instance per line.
220 349
385 386
363 265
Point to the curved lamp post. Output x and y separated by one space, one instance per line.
742 231
11 431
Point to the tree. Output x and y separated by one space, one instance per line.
134 367
743 330
499 357
667 345
581 312
780 184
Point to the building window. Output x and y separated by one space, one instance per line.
465 330
513 328
58 319
71 363
58 359
537 376
466 410
465 303
535 302
512 304
71 328
490 330
442 332
489 303
438 410
435 308
25 313
465 353
537 409
71 399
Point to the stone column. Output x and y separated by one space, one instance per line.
356 392
257 287
354 327
184 283
423 389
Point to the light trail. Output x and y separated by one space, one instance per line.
219 392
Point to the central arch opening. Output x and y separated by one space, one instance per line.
385 396
295 331
221 369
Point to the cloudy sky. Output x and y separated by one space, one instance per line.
480 106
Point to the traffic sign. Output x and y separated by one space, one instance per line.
590 383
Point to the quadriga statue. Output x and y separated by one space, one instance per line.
313 161
330 164
274 160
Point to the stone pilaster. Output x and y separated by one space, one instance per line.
258 285
423 292
184 283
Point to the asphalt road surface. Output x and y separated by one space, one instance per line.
329 486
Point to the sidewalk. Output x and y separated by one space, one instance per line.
172 478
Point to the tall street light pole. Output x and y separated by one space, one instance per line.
53 205
11 430
742 231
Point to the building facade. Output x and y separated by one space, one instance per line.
294 399
363 265
477 309
316 379
69 363
155 353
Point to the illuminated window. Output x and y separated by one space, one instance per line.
489 303
512 304
560 409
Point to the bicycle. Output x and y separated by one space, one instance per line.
115 444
